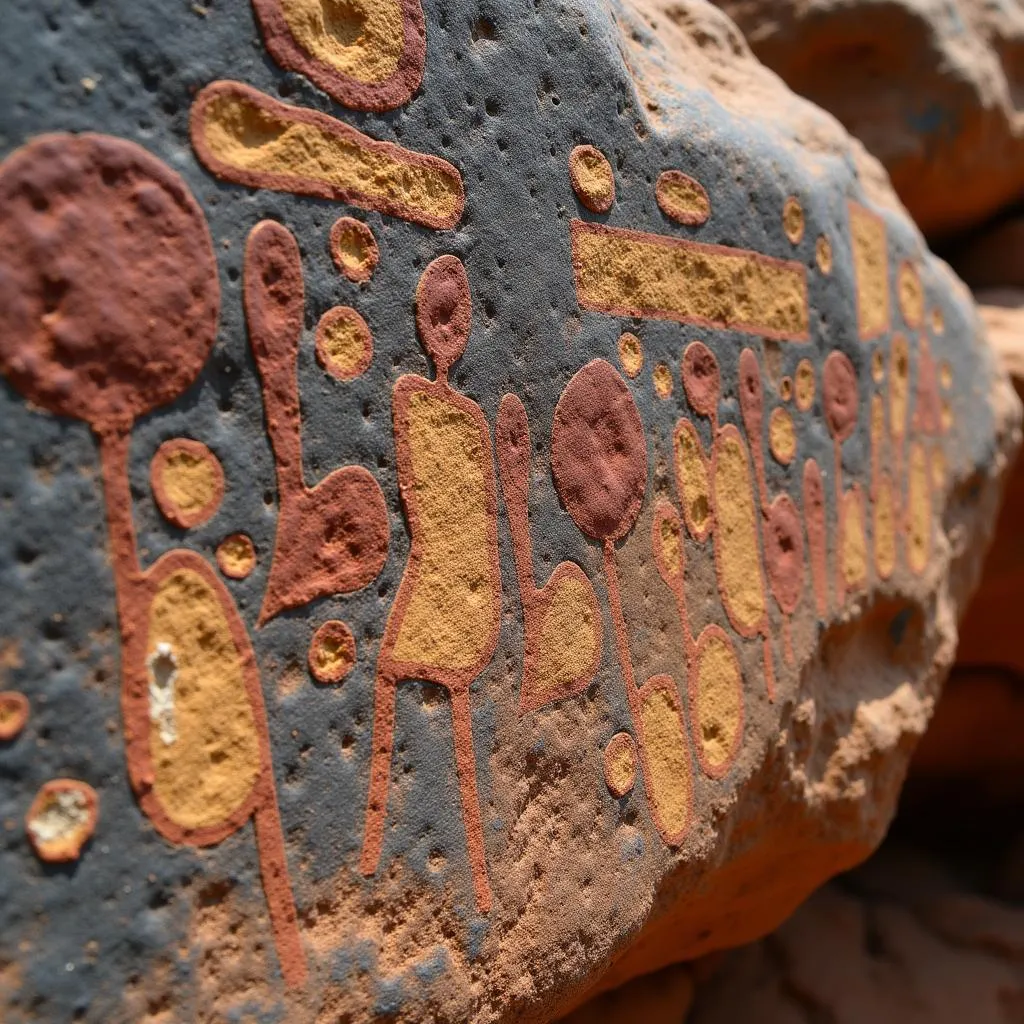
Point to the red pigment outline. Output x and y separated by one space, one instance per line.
676 584
365 234
914 326
159 462
514 470
634 695
762 628
223 564
864 211
332 629
390 672
343 313
16 705
817 532
348 90
112 424
298 185
775 512
134 591
592 203
687 217
87 830
301 569
620 739
683 425
878 475
579 227
838 437
626 520
444 347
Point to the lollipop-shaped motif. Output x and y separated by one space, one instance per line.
599 464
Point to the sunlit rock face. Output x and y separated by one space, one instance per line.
487 493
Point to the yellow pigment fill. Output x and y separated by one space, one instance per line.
855 545
250 138
569 637
671 545
719 696
352 251
899 387
682 198
344 342
793 219
620 763
782 435
739 560
592 175
666 278
919 510
359 38
453 610
203 739
668 775
885 528
911 294
190 482
692 476
804 386
631 354
236 556
823 254
871 268
332 657
663 381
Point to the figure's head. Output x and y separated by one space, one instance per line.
444 311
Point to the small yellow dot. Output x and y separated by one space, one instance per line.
823 254
663 381
877 365
631 354
793 219
804 387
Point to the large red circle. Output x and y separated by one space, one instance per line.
108 283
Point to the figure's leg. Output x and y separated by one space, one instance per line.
465 762
277 885
380 771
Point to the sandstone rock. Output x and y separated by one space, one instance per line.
454 614
935 90
900 940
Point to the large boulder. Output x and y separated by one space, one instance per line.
486 497
933 88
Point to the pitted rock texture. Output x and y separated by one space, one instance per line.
934 89
543 583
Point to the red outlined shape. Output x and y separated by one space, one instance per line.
599 464
349 90
331 538
14 709
440 174
332 652
347 233
139 301
512 438
691 216
581 232
78 798
443 311
161 465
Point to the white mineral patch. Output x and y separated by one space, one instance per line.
163 670
65 812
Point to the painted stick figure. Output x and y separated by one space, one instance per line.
443 626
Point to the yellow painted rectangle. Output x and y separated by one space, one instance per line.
633 273
871 270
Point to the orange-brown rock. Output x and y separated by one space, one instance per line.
935 90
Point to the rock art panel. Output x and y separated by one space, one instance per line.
485 451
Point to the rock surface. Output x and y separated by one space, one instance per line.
444 617
903 939
934 89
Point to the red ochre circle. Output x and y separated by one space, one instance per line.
236 556
332 653
344 344
13 714
187 481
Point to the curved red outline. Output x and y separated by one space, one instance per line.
298 185
347 89
592 203
164 502
15 709
686 217
693 691
64 853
